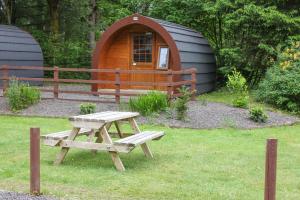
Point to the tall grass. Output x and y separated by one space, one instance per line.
152 102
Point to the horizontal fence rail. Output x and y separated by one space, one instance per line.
170 84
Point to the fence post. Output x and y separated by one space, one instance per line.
117 85
35 161
5 77
170 84
56 82
193 85
270 170
94 86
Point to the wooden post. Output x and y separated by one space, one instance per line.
270 171
35 161
56 82
117 85
5 77
170 84
193 85
94 86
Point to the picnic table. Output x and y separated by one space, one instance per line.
97 125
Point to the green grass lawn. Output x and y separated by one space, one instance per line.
188 164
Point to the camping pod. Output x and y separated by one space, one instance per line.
142 43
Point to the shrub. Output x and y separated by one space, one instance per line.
87 108
257 114
21 95
237 84
281 85
150 103
241 101
181 102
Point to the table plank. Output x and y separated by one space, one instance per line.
104 117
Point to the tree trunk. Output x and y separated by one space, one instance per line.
92 23
7 6
54 16
43 9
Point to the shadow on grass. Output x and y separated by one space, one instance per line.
87 159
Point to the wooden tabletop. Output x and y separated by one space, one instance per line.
104 117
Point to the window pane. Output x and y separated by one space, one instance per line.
148 49
142 58
142 40
136 57
163 57
149 39
148 58
142 47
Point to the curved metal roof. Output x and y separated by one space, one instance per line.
19 48
194 51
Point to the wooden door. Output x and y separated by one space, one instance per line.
142 47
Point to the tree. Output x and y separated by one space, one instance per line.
6 9
54 16
92 23
254 33
243 33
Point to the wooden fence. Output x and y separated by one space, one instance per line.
170 82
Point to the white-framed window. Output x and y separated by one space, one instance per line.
163 58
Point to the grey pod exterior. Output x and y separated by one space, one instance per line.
194 51
19 48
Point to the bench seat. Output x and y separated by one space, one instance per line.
62 135
140 138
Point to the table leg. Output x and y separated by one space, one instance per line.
91 135
146 150
114 155
117 125
99 137
144 146
64 150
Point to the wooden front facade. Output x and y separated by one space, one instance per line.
135 47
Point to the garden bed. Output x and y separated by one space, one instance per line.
200 115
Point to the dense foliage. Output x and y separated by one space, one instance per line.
87 108
152 102
243 33
281 86
21 95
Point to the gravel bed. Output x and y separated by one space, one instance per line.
218 115
200 116
55 108
5 195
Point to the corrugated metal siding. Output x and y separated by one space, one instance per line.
195 52
19 48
